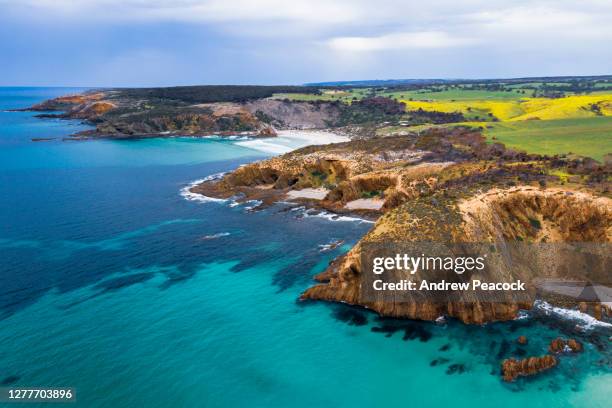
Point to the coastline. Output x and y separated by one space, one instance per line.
288 140
389 179
250 300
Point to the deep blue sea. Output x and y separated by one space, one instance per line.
113 283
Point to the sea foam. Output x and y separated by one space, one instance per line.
190 196
586 321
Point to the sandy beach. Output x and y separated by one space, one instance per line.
288 140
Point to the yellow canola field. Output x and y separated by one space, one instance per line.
575 106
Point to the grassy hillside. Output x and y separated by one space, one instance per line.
590 137
459 94
344 95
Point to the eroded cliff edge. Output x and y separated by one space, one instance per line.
442 186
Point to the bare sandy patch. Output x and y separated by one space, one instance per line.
310 193
365 204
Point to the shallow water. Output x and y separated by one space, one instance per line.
113 283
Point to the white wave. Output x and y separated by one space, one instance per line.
333 244
288 140
254 204
441 320
588 321
188 195
521 315
335 217
215 236
265 146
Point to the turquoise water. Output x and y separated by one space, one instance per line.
114 284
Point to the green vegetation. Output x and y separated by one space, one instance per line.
535 223
458 94
506 109
371 194
214 93
562 175
590 137
372 110
328 95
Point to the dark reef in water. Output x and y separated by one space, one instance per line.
350 315
411 329
495 343
11 379
456 369
438 361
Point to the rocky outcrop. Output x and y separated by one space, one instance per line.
294 115
549 215
177 123
64 103
130 113
89 110
512 368
267 131
440 186
392 169
560 345
440 219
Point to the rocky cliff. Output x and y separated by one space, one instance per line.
127 113
440 186
579 217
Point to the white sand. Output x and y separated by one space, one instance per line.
312 193
288 140
365 204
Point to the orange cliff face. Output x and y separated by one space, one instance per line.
69 101
494 216
89 110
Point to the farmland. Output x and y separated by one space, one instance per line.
557 116
590 137
518 109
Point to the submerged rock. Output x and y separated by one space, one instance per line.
512 368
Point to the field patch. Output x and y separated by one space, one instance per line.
590 137
458 94
575 106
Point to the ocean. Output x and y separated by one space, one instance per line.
117 284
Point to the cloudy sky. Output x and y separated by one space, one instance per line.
180 42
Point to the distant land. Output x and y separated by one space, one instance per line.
543 115
433 81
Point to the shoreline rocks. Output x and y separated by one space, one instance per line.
560 345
